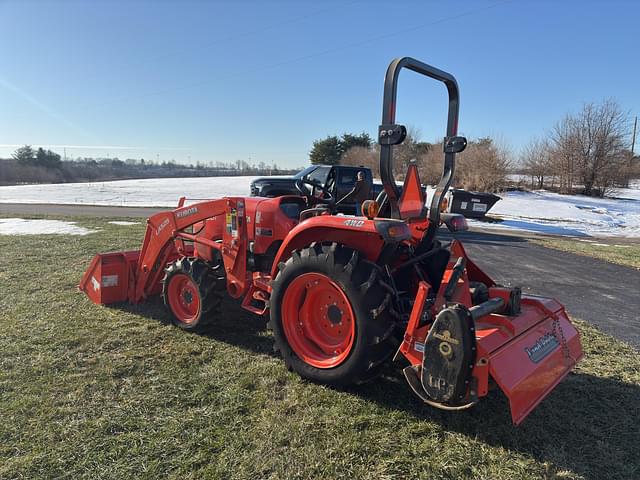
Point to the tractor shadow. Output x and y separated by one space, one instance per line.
240 328
483 238
234 325
588 425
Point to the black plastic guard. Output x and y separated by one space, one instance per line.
449 355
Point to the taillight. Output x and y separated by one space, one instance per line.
392 231
454 222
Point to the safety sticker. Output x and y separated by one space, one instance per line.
110 281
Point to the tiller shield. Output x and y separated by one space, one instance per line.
525 344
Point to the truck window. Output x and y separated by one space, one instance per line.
331 180
347 177
305 172
319 175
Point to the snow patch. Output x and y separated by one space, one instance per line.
123 222
20 226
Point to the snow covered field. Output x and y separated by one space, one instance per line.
575 215
539 211
152 192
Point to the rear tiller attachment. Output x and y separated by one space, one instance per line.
525 343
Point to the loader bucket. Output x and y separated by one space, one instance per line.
109 276
532 355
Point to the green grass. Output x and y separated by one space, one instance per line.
95 392
627 254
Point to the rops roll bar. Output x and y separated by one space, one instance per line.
389 134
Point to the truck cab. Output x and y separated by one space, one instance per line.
338 179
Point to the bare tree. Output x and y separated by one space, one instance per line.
483 166
412 148
537 161
590 148
363 157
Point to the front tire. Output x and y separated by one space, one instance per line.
192 292
329 315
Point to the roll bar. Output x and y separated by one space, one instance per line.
390 134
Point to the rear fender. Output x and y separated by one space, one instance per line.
356 232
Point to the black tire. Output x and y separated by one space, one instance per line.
360 280
210 283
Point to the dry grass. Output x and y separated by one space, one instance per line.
610 250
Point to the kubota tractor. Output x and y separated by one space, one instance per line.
344 294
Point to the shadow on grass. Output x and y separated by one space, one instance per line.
235 326
587 425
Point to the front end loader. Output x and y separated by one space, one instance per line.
344 295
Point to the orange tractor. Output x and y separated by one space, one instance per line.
344 294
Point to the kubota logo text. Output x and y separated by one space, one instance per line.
187 212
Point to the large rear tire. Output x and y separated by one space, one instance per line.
192 291
329 315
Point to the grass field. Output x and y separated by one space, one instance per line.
627 254
95 392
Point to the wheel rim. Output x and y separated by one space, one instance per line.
318 320
184 298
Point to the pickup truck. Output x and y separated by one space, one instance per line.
326 176
337 179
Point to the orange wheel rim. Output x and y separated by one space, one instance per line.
184 298
318 320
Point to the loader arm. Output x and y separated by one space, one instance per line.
163 237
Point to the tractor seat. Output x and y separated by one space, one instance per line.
314 212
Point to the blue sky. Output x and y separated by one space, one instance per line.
259 81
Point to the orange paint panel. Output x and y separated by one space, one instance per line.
532 364
107 279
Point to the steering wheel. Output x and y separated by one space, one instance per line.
328 198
